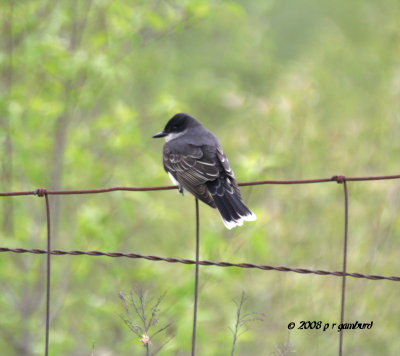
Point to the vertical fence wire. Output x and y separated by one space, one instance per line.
196 278
48 274
346 225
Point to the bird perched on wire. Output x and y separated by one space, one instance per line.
195 162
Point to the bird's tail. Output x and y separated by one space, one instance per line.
231 207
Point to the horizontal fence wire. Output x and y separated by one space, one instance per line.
336 178
42 192
202 262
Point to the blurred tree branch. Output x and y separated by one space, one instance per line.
7 144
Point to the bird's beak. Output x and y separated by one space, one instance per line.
160 134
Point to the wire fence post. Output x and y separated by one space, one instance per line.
43 192
196 278
346 225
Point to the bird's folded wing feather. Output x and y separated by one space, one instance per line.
225 165
192 170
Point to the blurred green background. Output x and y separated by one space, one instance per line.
293 89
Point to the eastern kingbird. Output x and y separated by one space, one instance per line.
195 162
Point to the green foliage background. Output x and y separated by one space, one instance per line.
293 89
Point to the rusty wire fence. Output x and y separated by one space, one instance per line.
42 192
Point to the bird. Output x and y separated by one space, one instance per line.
195 162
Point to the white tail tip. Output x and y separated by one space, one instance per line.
239 222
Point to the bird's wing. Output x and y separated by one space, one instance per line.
192 170
228 171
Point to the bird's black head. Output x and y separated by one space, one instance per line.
177 124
